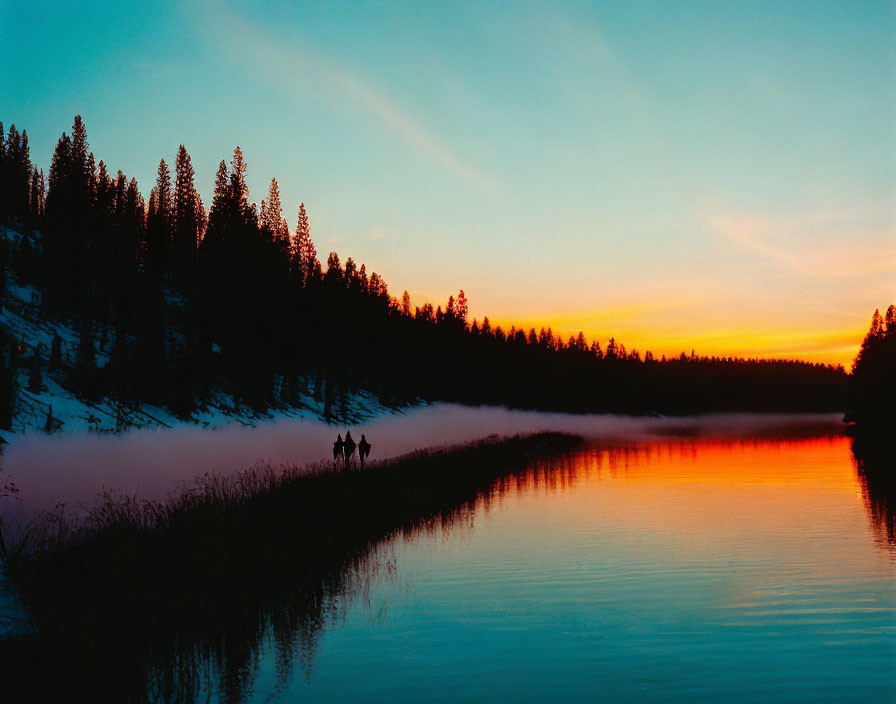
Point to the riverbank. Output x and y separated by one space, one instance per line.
149 464
134 580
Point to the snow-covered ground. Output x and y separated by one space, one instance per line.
21 313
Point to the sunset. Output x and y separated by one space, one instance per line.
710 176
599 299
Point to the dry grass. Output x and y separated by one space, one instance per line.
159 601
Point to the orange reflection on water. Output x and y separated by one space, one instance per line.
764 497
815 463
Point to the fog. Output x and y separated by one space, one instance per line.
69 468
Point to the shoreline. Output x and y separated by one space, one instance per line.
150 464
239 556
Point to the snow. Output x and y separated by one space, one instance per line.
21 313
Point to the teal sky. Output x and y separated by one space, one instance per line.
715 175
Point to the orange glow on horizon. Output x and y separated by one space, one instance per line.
674 325
826 347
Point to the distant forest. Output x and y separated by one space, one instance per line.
184 301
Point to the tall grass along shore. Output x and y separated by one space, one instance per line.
173 600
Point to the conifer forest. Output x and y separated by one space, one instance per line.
172 301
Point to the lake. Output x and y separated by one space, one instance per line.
686 569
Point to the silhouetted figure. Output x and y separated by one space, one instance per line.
338 448
363 449
349 447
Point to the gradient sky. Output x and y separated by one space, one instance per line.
718 176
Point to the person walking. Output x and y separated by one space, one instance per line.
349 448
338 448
363 449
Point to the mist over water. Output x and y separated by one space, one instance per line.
640 565
152 463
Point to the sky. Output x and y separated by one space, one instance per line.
718 176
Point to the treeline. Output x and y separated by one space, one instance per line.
180 303
872 385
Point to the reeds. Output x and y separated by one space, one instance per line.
160 601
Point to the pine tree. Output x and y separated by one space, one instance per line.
187 219
60 193
132 228
80 149
461 308
102 260
202 221
80 175
22 177
362 278
239 189
304 255
875 334
120 188
159 220
218 214
37 193
91 181
16 174
873 380
2 173
334 269
272 217
68 234
613 349
376 287
351 274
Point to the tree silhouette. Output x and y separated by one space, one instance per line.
872 387
271 219
15 173
194 308
304 256
189 219
159 224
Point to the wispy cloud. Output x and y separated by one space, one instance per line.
303 73
825 245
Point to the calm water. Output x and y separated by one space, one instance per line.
701 569
677 571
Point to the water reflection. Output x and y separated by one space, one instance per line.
876 467
237 602
771 525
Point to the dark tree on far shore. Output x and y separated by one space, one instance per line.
872 388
